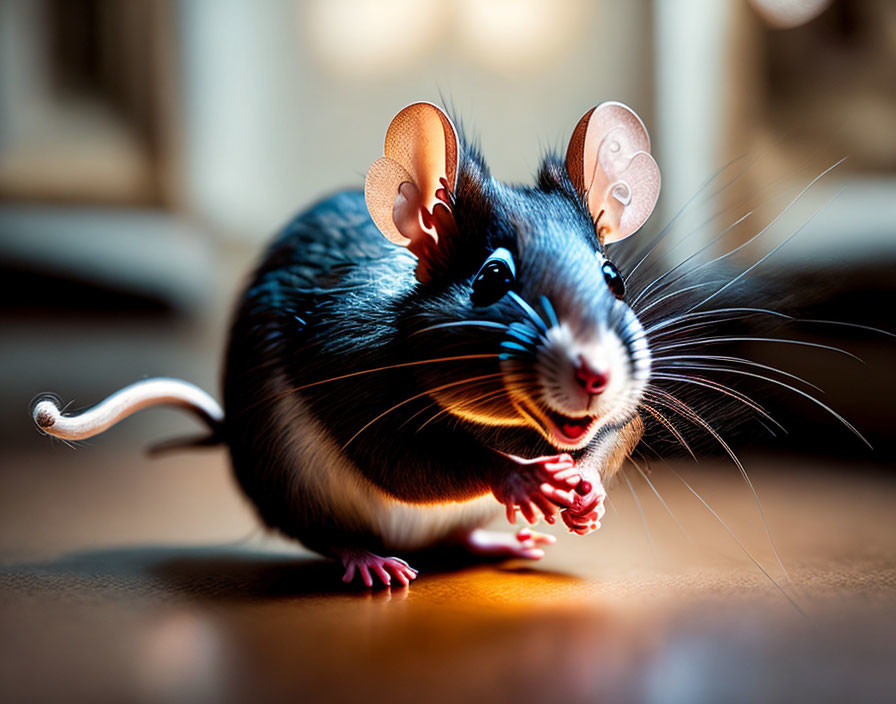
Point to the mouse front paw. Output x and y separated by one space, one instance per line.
582 505
523 487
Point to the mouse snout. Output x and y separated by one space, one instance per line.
592 379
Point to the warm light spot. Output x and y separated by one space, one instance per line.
786 14
363 37
513 34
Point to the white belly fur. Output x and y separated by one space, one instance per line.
319 466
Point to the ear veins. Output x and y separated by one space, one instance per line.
432 231
408 191
609 162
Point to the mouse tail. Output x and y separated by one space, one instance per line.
52 420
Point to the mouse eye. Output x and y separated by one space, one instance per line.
494 279
614 279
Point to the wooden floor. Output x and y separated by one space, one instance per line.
125 579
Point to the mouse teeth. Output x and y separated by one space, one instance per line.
567 429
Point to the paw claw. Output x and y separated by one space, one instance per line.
362 563
524 544
538 486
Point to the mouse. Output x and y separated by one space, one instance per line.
410 361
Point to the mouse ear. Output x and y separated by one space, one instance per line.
408 191
609 162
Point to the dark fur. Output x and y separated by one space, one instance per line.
332 296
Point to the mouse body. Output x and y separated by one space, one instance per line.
407 360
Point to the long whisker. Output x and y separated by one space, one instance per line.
665 231
641 512
462 323
415 363
529 311
512 382
698 419
612 506
721 388
775 249
678 292
739 543
678 331
739 338
416 396
464 404
734 360
711 313
857 326
668 425
428 406
647 289
804 394
764 229
661 500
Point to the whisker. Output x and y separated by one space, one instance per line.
415 363
702 284
513 382
738 338
668 425
721 388
462 323
528 310
710 313
775 249
869 328
665 231
416 396
428 406
696 417
764 229
641 512
612 506
809 396
739 543
661 500
549 311
738 360
646 290
464 404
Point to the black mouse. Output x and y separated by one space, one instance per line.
408 359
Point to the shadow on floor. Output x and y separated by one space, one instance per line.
227 573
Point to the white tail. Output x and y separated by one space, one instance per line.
143 394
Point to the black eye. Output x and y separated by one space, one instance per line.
614 279
494 279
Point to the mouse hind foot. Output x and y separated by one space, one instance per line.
524 543
370 568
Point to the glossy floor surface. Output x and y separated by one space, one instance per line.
125 579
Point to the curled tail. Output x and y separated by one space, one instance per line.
143 394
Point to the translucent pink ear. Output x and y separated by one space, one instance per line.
408 190
609 162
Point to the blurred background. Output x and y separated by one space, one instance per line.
150 148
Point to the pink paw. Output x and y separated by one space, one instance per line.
523 488
583 505
368 565
494 544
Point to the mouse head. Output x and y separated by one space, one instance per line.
515 281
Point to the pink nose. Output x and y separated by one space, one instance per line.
592 380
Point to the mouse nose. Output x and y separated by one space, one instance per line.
593 381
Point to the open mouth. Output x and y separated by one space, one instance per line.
569 430
565 432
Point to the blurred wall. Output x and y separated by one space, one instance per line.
148 148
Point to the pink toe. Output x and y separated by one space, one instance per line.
381 573
349 573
